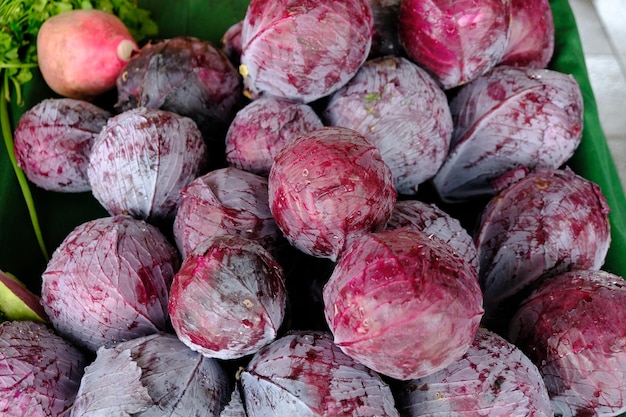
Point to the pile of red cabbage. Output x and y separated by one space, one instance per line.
373 216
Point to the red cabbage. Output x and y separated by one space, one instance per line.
403 303
328 187
303 49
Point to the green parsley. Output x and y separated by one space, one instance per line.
20 21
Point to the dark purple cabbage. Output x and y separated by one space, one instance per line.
329 187
231 42
304 373
303 49
509 118
39 371
53 141
432 220
187 76
403 303
549 222
108 282
142 159
531 37
225 201
262 128
228 299
400 109
152 376
456 41
573 326
494 378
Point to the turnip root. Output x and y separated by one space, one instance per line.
82 52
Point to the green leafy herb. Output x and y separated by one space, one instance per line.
20 21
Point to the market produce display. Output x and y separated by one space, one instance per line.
365 208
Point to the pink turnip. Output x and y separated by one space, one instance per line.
82 52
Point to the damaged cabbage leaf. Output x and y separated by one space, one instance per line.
152 376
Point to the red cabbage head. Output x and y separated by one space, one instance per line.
456 41
303 49
403 303
328 187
